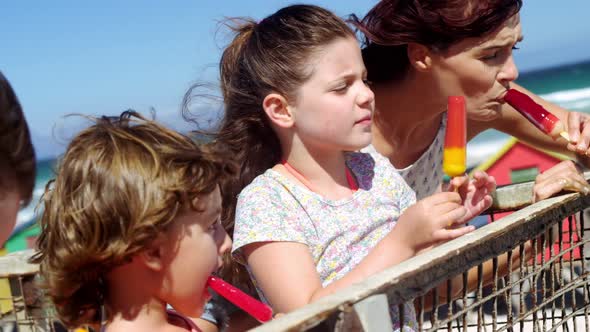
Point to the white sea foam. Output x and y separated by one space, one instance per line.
28 214
574 99
39 190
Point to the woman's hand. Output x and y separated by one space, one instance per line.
563 176
476 193
579 133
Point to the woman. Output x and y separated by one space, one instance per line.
420 52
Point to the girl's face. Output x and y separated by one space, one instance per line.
197 243
334 106
480 69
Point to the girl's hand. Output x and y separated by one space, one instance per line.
476 194
579 132
563 176
432 220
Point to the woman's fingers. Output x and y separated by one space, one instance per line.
584 143
573 124
564 167
579 133
563 176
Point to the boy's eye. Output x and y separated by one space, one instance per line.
213 226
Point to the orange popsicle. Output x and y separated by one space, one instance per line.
454 153
255 308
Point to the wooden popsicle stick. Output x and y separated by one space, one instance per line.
565 135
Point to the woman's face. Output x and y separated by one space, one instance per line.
480 69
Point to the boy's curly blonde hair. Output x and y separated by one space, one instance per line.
120 183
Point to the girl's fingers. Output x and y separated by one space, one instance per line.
480 176
444 208
458 182
452 218
476 210
481 179
491 185
442 235
442 197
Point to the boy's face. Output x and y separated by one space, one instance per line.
197 244
9 206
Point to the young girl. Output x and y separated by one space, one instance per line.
131 224
316 216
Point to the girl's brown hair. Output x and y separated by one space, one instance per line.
271 56
392 24
17 156
120 183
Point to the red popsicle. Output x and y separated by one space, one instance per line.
255 308
454 153
535 113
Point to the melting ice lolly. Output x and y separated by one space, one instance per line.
255 308
535 113
454 154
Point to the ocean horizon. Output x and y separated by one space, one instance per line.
567 85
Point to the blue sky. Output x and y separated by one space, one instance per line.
103 57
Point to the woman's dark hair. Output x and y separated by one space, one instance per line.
270 56
392 24
17 156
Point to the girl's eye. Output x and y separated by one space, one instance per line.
515 48
367 82
341 88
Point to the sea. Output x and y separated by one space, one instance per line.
566 85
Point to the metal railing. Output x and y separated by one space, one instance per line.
495 288
547 290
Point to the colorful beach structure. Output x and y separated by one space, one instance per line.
517 162
22 238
